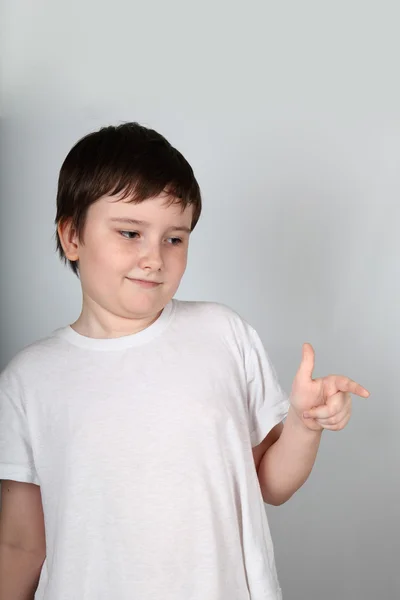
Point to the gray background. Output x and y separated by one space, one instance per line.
290 115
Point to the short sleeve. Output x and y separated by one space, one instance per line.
268 404
16 456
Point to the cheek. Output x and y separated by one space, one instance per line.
121 254
178 261
109 259
104 259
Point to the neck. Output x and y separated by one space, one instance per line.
96 322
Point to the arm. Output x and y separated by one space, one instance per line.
316 404
22 540
285 458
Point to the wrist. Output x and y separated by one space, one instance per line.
309 426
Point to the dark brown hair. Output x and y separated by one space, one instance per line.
128 159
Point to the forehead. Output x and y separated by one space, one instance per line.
161 209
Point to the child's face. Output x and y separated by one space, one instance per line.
134 255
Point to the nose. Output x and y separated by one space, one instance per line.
151 258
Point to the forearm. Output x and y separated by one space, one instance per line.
287 464
19 573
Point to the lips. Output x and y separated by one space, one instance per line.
145 282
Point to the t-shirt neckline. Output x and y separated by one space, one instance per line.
123 342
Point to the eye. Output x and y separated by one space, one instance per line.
175 241
129 235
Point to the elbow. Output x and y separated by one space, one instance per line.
275 499
275 502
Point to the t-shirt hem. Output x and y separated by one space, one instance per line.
264 427
17 473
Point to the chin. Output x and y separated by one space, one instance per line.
143 309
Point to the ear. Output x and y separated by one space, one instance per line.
69 239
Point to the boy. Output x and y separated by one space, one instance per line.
138 445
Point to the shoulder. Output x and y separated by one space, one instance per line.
215 311
31 361
214 317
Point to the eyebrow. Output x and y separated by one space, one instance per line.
139 223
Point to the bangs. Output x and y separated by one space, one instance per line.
138 174
137 190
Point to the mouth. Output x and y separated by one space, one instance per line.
145 283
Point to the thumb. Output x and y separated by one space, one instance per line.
305 371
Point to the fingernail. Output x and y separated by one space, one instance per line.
306 415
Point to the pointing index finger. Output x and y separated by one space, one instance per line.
348 385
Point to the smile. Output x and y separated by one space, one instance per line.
145 284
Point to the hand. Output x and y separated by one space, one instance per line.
323 403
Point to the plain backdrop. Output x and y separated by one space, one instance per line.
289 113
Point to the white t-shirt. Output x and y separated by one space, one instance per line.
142 447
